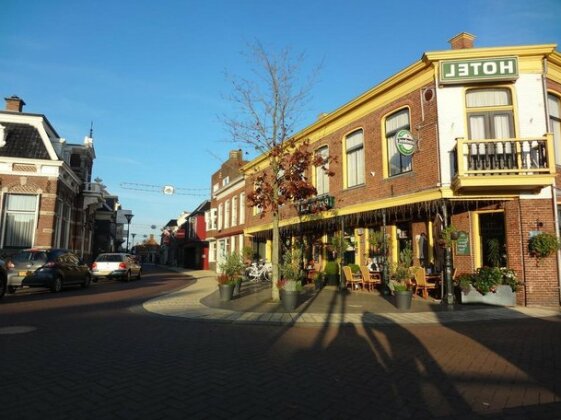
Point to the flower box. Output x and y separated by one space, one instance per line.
503 296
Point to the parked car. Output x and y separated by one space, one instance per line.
121 265
3 278
52 268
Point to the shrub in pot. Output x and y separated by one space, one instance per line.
290 283
543 245
231 270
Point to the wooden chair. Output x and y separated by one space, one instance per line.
422 284
370 280
350 279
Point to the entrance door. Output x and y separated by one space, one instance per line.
492 239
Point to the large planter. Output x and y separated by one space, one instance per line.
503 296
289 299
226 292
403 299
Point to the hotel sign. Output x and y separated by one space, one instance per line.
460 71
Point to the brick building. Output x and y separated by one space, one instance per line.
225 220
46 194
468 137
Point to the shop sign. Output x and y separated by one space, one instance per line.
405 143
462 243
316 204
460 71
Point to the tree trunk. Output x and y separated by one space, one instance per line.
275 257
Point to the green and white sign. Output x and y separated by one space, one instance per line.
459 71
405 143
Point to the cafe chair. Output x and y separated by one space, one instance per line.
422 284
369 279
350 279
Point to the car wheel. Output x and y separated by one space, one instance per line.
12 289
139 274
128 276
86 282
57 285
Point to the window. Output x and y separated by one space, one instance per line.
554 106
234 211
354 146
226 181
212 252
227 214
215 187
489 114
62 229
220 214
19 216
397 162
242 208
322 179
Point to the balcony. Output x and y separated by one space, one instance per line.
515 165
93 193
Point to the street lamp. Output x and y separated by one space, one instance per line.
128 216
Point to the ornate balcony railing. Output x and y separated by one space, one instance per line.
528 162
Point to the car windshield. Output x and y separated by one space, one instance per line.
30 256
109 258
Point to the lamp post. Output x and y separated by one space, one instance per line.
128 216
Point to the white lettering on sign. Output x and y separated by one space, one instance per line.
455 71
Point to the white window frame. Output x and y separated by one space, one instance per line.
354 158
404 164
220 215
23 212
226 214
242 208
321 178
234 211
554 110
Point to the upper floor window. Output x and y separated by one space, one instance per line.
215 187
18 220
220 215
234 211
354 148
242 208
322 180
227 214
489 114
554 106
398 163
226 181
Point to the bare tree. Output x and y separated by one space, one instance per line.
268 108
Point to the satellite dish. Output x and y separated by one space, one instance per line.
168 189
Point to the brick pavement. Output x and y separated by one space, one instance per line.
200 301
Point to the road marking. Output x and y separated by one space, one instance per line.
22 329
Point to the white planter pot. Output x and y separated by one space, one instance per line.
504 296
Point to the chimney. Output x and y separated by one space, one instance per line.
236 154
14 103
461 41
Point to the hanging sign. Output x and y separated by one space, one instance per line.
462 243
405 143
461 71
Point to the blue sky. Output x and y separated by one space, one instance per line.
151 75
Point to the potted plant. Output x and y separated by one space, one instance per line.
290 283
489 285
543 245
231 269
400 279
331 272
376 240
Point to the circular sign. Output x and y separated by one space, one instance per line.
168 190
405 143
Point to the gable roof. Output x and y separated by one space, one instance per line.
23 141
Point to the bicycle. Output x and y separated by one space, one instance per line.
260 271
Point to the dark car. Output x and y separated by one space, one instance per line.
52 268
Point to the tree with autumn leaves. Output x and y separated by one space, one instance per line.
267 110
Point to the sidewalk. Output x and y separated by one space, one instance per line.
201 301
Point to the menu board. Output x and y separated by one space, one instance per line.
462 243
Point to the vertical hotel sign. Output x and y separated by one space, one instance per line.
460 71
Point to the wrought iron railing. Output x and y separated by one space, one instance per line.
514 156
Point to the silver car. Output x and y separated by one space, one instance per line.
121 265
